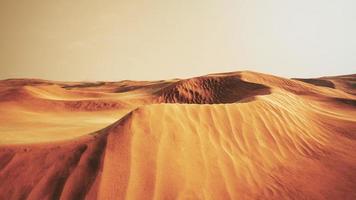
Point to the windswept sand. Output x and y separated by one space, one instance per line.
240 135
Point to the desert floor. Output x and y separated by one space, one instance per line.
238 135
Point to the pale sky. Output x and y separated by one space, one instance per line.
82 40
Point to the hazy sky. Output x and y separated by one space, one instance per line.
133 39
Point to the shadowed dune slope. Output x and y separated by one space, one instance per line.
51 171
210 90
242 135
346 83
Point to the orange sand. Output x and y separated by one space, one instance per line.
240 135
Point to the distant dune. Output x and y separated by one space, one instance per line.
238 135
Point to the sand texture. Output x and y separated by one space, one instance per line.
238 135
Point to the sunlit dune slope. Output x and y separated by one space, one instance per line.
241 135
38 111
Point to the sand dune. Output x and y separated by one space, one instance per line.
210 90
345 83
240 135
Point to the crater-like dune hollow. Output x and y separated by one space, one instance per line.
239 135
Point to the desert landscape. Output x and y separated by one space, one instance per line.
238 135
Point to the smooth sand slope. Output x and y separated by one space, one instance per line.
240 135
